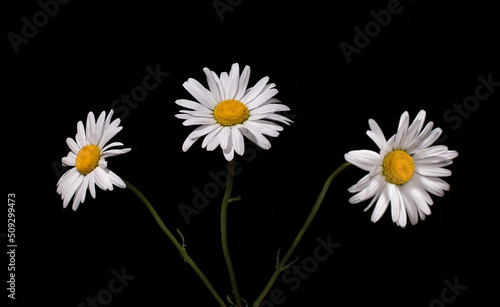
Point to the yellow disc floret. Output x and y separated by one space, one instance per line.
398 167
87 159
231 112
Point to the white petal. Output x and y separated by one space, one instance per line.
238 141
80 135
102 179
388 147
188 142
404 120
450 154
396 204
430 152
401 221
270 108
421 214
185 114
211 135
415 143
215 141
374 199
199 121
224 80
431 171
382 203
414 129
192 105
413 189
214 84
89 127
243 83
103 163
200 93
254 91
201 131
234 77
68 161
365 159
65 188
229 150
111 145
402 129
263 127
434 135
435 185
262 98
114 152
99 128
361 184
73 145
224 137
115 179
373 187
229 153
69 193
80 194
66 179
376 133
255 137
110 129
92 184
62 179
417 181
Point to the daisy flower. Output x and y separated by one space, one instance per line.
404 172
227 111
87 156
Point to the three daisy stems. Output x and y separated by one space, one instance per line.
281 266
176 243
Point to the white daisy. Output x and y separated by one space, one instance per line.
404 171
229 111
87 156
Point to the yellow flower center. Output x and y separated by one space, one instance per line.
87 159
231 112
398 167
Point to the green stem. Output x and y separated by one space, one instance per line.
179 247
223 230
317 205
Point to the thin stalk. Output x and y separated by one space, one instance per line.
312 214
223 230
176 243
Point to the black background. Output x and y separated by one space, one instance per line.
428 57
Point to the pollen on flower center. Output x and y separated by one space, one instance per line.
87 159
231 112
398 167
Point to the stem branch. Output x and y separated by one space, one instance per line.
179 247
308 221
223 229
